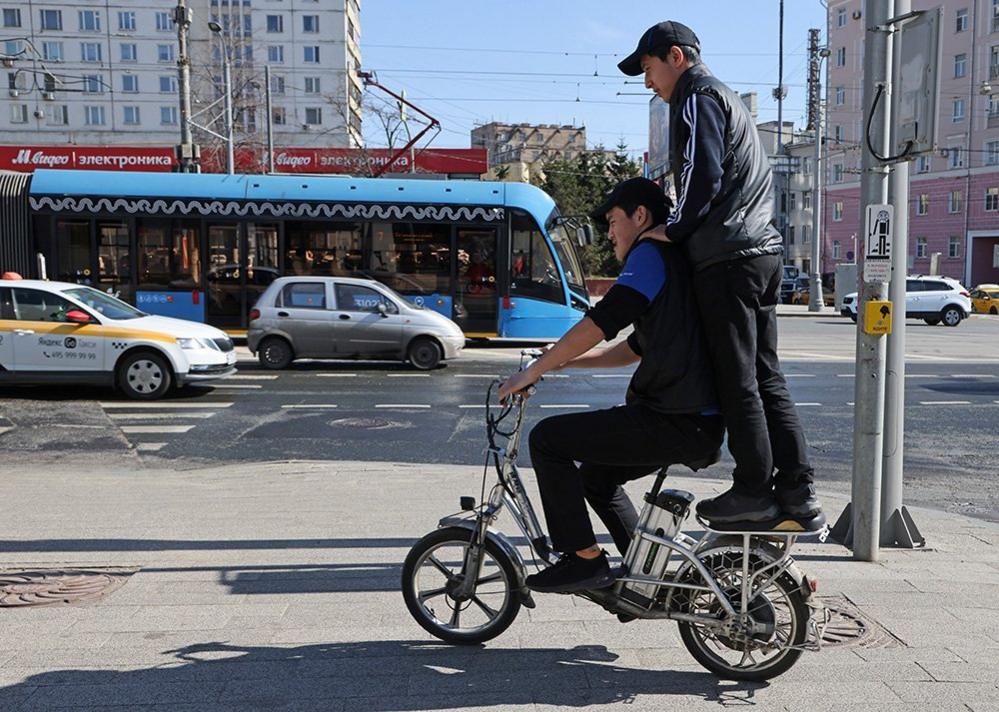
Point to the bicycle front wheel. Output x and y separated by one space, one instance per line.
431 575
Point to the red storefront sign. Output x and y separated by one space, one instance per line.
360 162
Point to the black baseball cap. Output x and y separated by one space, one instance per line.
661 36
634 191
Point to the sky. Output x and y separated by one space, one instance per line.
468 62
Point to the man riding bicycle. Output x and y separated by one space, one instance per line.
670 415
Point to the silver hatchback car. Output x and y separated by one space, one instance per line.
344 317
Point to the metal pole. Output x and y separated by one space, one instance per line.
227 88
869 393
784 176
270 120
186 151
815 300
897 526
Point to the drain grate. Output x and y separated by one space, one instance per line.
59 587
848 627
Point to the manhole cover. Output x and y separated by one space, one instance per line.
848 627
59 587
368 423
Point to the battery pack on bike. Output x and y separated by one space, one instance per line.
662 516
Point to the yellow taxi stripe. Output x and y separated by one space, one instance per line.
108 332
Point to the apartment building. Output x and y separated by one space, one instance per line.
528 143
102 75
953 193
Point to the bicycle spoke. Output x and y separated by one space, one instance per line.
485 609
440 567
498 576
424 596
454 616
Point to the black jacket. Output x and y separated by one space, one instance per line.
724 186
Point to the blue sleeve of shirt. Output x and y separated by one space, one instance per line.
644 271
701 166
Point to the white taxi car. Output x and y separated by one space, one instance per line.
58 332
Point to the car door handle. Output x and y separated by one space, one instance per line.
282 313
344 317
24 332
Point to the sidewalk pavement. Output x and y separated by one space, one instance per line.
276 587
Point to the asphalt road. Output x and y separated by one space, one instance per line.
390 412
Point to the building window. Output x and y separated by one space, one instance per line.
992 199
52 51
50 83
131 115
51 19
312 85
90 51
93 115
960 65
923 204
992 153
275 54
954 199
806 201
837 176
168 84
837 211
794 200
279 116
164 53
841 57
841 17
958 111
993 106
835 249
954 247
11 18
790 235
58 115
311 54
17 81
962 20
129 52
310 23
955 158
130 83
840 96
90 21
995 15
275 23
18 113
164 23
314 115
126 21
168 115
838 134
994 60
92 84
277 85
920 247
806 166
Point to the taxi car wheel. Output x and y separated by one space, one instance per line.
993 311
144 376
424 354
276 354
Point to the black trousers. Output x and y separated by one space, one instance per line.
613 446
737 301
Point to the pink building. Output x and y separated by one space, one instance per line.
953 193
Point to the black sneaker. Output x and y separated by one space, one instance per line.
734 506
799 501
572 573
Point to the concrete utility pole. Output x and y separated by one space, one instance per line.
270 119
187 152
815 53
779 93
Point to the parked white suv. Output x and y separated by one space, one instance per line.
930 298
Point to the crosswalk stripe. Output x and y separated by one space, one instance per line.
402 405
241 386
565 405
336 375
146 429
408 375
157 416
135 405
250 377
149 447
312 406
801 405
611 375
954 402
471 406
476 375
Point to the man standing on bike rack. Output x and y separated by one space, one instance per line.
724 222
670 414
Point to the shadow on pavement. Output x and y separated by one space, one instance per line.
392 675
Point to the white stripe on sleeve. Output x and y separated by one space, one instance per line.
690 117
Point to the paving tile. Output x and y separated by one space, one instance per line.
929 693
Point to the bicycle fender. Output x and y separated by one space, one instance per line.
505 545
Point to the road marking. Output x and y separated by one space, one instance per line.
961 402
611 375
471 406
557 375
402 405
476 375
158 404
799 375
250 377
240 386
316 406
157 416
850 403
408 375
845 375
139 429
800 405
972 375
566 405
921 375
149 447
337 375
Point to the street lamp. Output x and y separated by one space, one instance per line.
815 297
227 93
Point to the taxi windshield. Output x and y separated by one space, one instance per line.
104 304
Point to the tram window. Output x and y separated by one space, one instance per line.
532 268
322 248
73 248
412 258
169 255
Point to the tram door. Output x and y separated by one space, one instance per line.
476 300
74 252
243 261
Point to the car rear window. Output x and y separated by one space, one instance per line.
936 286
304 295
